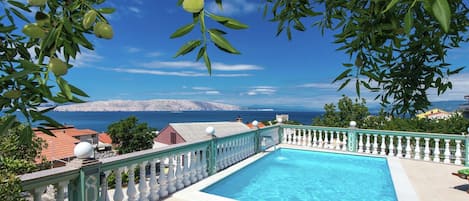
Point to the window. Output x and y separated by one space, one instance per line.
173 138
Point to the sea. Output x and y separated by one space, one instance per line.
99 121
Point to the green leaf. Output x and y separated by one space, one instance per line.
343 84
442 13
228 22
342 75
183 30
208 64
106 10
188 47
222 43
201 53
77 91
408 22
390 5
65 88
357 87
7 29
17 13
7 124
19 5
219 4
26 136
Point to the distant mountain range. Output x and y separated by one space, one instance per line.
146 105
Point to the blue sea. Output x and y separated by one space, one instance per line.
99 121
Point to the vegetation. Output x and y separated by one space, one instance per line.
16 158
349 111
130 136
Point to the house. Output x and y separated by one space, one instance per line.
60 146
434 114
259 125
176 133
465 107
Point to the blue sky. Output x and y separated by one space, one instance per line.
138 63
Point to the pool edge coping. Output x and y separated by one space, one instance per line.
402 185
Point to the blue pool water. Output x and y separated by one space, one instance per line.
288 174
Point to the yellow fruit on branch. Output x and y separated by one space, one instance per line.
37 2
103 30
13 94
58 67
193 6
34 31
89 19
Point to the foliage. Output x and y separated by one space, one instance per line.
31 62
347 111
16 158
398 47
130 136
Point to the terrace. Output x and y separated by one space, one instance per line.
427 160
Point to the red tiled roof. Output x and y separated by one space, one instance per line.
59 147
105 138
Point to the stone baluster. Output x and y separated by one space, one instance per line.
321 142
338 143
290 136
417 149
162 180
37 193
187 171
285 136
426 151
408 149
200 174
447 152
142 186
326 140
391 146
243 147
61 186
171 177
204 163
225 155
104 187
179 173
309 139
344 141
436 151
368 144
315 139
131 190
302 136
383 146
194 165
238 150
458 154
153 182
399 146
375 144
220 156
118 193
360 143
294 140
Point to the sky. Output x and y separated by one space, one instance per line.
138 63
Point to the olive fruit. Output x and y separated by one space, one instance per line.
13 94
58 67
193 6
37 2
42 19
103 30
89 19
34 31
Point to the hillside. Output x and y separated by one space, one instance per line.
146 105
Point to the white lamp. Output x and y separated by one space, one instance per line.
83 150
210 130
279 120
353 124
255 123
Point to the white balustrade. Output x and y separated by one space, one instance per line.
154 186
200 174
344 141
118 192
417 149
37 193
326 140
171 177
331 140
447 152
285 136
426 151
309 139
368 144
360 143
458 154
162 180
337 141
294 137
61 186
321 142
142 186
315 139
383 146
131 190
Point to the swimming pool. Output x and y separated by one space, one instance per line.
289 174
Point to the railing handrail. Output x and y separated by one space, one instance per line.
40 178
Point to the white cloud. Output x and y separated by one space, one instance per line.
460 89
320 85
202 88
172 73
85 58
154 54
233 7
133 49
216 66
261 90
134 9
212 92
207 90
